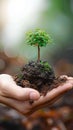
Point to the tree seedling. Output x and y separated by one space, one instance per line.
38 38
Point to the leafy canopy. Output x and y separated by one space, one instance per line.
38 38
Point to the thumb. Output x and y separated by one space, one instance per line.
16 92
25 93
10 89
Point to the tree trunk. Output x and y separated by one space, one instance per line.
38 53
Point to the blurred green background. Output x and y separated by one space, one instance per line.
56 18
19 16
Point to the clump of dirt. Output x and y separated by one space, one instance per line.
39 76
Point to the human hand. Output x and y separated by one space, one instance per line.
10 93
18 99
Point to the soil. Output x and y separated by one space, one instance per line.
38 75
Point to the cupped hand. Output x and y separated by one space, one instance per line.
18 98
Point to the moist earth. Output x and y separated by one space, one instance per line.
38 75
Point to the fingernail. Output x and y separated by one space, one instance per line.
33 95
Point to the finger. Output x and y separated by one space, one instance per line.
7 101
64 76
37 107
22 107
48 103
10 89
56 92
19 93
16 105
51 99
69 79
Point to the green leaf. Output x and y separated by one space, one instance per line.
38 36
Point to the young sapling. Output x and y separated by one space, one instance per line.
38 38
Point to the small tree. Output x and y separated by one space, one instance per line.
38 38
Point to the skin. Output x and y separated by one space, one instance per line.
18 98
